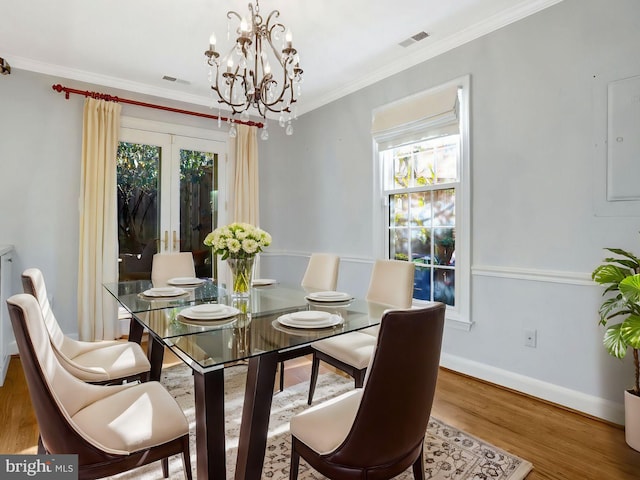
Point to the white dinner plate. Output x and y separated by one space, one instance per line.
261 282
209 313
164 292
207 323
331 321
185 281
329 297
294 330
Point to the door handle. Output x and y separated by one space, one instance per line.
175 242
166 240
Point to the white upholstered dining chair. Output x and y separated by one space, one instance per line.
104 361
321 275
170 265
390 286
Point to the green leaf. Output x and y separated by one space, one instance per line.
613 341
610 274
610 308
624 253
627 263
630 288
630 331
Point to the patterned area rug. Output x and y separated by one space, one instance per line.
450 454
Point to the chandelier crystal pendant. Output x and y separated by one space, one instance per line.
260 71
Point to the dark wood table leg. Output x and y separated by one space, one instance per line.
254 428
210 433
135 330
155 354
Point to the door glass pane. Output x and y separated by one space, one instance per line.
138 167
198 206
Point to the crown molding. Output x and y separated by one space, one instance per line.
429 51
417 56
106 81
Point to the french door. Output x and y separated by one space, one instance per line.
170 188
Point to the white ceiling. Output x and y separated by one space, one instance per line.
344 45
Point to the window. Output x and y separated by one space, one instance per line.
421 165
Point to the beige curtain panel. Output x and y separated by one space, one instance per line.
98 256
246 205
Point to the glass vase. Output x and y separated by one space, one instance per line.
241 274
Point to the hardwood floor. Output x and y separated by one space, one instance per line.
562 445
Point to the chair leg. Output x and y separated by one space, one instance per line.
358 377
418 466
295 461
186 458
281 376
165 467
315 367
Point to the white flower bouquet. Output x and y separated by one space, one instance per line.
238 240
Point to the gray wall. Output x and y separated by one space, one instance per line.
538 121
40 151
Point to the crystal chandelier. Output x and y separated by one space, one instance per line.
261 70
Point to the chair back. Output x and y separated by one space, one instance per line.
64 347
170 265
33 284
394 411
391 283
321 273
56 395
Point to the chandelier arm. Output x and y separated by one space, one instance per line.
231 14
253 77
275 13
275 51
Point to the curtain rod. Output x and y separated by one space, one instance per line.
103 96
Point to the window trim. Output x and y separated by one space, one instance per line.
460 315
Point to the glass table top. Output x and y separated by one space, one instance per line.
243 328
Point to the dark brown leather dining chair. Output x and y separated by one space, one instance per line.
112 428
377 432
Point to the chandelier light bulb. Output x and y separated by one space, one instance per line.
244 28
212 42
288 38
267 68
229 64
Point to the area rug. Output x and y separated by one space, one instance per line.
450 454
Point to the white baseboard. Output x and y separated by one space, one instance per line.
581 402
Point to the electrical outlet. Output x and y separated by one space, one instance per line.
530 338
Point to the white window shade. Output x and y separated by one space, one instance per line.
419 117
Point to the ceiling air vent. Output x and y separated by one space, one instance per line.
169 78
414 39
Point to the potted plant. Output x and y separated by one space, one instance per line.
621 277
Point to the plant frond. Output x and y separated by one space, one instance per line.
630 289
630 331
613 341
627 263
624 253
614 274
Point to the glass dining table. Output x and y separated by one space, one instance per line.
209 330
